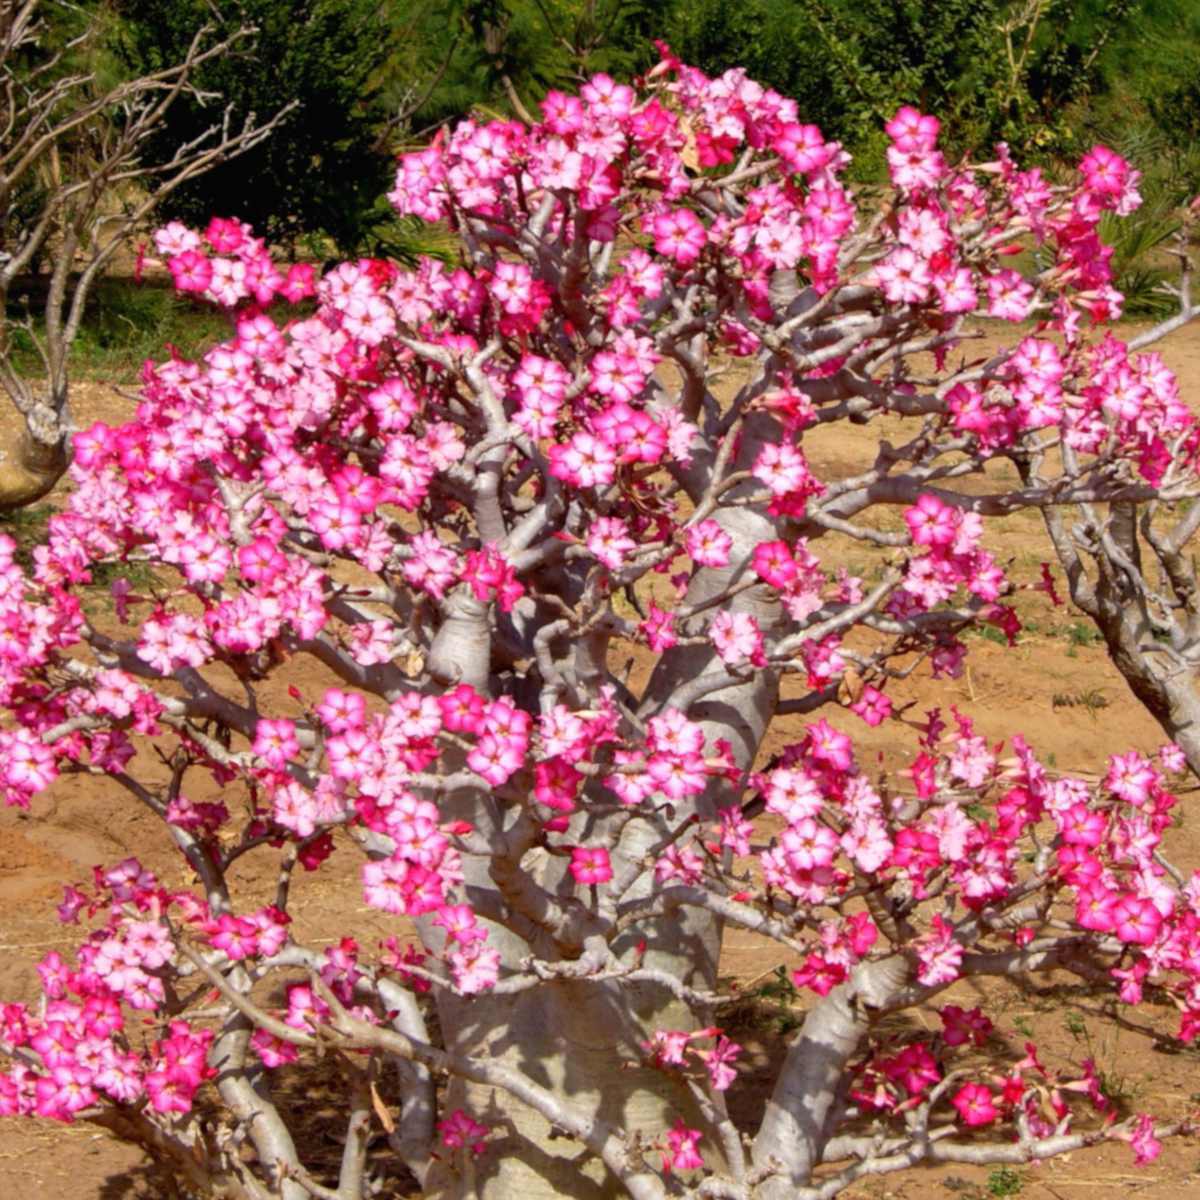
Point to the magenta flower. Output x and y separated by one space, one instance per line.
590 866
682 1152
975 1104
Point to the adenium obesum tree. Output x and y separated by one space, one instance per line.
463 496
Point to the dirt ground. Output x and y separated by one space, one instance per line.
1056 685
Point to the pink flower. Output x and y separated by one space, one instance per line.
174 238
682 1152
590 865
774 564
819 974
829 747
608 539
784 469
1094 908
910 129
73 902
738 639
914 1069
26 765
1131 777
190 271
352 754
272 1050
962 1026
1146 1147
460 924
679 235
1172 759
684 865
341 711
1104 171
903 277
708 545
802 147
299 283
1082 826
1135 920
496 759
975 1105
225 235
562 113
666 1047
401 887
490 575
462 709
719 1062
873 706
275 741
915 167
1009 296
171 1089
459 1132
808 845
475 967
939 955
932 522
411 477
659 629
585 461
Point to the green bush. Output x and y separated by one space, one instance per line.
324 167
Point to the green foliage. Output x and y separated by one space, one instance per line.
770 1005
1151 76
1079 633
1036 73
991 69
138 574
460 56
1090 700
1143 242
124 324
1049 77
1137 270
26 527
989 633
324 168
1004 1181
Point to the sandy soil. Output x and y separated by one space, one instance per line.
1056 684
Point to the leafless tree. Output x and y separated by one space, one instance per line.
75 183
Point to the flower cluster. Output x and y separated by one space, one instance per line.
75 1050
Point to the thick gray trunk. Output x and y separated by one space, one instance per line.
804 1109
579 1040
29 468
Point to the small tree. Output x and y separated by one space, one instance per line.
450 491
1128 566
73 173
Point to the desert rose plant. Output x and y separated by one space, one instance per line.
464 495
